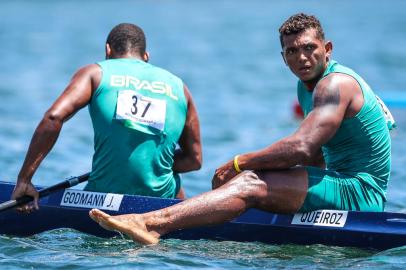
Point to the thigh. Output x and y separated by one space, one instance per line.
332 190
287 190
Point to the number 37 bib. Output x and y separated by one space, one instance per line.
140 112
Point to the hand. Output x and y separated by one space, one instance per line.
24 188
223 174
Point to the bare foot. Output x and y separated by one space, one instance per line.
124 224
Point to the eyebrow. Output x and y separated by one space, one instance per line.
301 45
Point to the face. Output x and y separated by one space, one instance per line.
306 55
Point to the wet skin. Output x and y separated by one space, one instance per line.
306 55
274 179
77 95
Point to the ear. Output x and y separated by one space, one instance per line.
145 57
108 51
329 49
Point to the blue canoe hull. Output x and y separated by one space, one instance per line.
361 229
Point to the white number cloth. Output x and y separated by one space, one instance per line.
390 121
142 110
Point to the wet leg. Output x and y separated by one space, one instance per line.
282 192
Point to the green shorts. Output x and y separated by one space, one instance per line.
332 190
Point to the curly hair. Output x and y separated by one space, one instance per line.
127 37
299 23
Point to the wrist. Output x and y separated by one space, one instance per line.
236 165
24 176
23 181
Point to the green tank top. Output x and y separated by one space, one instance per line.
361 146
138 113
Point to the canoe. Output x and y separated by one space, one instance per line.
69 209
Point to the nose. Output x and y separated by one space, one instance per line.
302 56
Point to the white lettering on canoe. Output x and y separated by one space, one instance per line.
329 218
86 199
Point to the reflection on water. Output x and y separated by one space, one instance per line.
83 251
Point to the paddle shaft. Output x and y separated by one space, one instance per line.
44 192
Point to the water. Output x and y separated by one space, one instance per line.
228 53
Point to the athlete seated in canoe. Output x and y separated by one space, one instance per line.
139 112
343 121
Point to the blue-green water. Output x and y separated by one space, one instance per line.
228 54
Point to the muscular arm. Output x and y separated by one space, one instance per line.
316 161
331 99
75 96
189 156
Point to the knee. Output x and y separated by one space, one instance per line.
250 187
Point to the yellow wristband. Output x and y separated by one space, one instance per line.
236 167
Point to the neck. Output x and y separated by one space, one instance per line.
127 55
311 84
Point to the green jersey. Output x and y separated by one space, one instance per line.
138 113
361 146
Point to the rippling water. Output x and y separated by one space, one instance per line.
228 54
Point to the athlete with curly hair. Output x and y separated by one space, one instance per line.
338 158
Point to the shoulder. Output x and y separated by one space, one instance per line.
91 73
88 71
337 79
165 72
335 88
187 93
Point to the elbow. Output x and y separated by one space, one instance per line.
186 161
305 152
193 161
194 158
52 120
196 163
53 115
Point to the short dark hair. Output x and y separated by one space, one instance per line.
299 23
127 37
